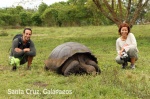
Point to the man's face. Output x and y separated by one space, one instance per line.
27 35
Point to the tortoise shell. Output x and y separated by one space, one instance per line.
62 52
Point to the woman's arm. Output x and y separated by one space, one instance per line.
118 48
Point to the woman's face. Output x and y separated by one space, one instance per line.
124 31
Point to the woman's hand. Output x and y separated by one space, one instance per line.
125 45
120 53
123 48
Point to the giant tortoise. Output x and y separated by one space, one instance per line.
72 58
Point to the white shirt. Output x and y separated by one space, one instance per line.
131 41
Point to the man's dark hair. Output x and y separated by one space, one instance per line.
27 29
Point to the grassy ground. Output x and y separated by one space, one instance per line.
112 83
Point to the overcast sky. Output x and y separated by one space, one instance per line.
27 3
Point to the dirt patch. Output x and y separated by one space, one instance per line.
40 84
2 68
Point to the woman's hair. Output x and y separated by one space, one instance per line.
123 25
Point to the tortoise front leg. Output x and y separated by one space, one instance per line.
86 67
73 67
94 64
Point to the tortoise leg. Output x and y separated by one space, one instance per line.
93 63
71 68
86 67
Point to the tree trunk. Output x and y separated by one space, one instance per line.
120 15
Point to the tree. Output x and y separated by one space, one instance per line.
121 10
9 16
42 7
50 16
36 20
95 16
25 18
147 14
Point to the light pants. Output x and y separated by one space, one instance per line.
132 52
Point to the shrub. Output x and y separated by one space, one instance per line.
3 33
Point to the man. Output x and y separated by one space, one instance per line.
23 48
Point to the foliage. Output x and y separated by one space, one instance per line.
112 83
12 19
96 17
25 18
50 16
147 15
3 33
36 20
73 13
42 7
122 10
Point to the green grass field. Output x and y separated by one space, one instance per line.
112 83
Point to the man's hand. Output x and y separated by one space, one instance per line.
26 49
18 49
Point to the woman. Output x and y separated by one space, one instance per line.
126 47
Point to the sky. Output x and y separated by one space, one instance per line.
26 3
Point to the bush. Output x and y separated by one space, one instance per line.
3 33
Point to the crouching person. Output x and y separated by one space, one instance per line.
23 50
126 47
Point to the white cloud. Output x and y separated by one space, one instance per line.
26 3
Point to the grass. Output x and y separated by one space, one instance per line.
112 83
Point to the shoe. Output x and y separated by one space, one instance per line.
124 65
14 68
132 66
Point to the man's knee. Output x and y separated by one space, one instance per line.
30 57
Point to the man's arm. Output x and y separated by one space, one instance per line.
32 49
17 52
